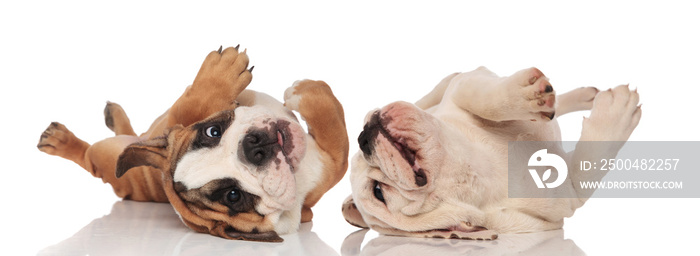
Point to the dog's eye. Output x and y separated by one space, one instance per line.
377 190
213 131
233 196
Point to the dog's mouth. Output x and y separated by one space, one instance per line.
409 155
286 141
284 138
368 138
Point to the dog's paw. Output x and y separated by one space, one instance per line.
56 139
530 91
302 90
580 98
116 119
292 97
615 114
576 100
227 68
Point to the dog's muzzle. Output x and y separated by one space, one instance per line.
260 146
367 143
369 134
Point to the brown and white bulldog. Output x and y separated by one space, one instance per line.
234 163
439 168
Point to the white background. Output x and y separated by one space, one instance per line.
62 60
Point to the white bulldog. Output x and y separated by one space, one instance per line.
439 168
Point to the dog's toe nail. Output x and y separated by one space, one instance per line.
251 69
220 48
237 46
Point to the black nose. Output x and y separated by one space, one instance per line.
365 142
369 134
258 147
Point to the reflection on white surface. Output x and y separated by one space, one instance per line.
540 243
134 228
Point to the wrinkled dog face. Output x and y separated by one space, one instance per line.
412 175
230 175
242 164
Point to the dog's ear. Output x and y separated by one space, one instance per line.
153 153
352 214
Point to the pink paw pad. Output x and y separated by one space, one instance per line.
534 75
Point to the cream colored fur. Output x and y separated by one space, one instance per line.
460 133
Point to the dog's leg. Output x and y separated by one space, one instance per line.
100 159
614 116
526 95
117 121
435 96
576 100
325 118
221 78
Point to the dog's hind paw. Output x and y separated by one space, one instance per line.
528 96
576 100
57 140
533 92
116 120
51 140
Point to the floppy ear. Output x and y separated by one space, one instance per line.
352 214
151 153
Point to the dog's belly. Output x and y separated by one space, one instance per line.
497 134
489 140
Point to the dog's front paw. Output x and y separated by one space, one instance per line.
301 92
224 72
530 92
291 97
615 114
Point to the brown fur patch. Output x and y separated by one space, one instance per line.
325 118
